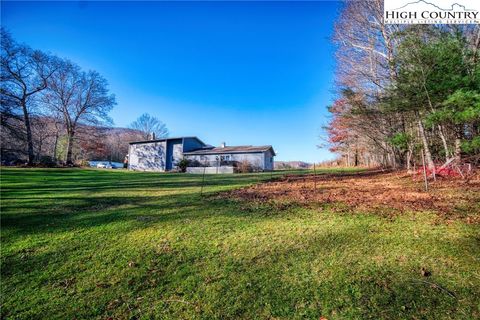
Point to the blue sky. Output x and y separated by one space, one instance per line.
241 72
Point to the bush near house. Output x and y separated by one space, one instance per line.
183 164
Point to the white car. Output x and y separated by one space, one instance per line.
104 165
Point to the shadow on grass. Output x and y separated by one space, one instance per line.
16 183
45 201
329 272
119 215
317 275
51 215
252 273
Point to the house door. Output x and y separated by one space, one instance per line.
174 153
169 155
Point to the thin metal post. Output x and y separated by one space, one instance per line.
203 180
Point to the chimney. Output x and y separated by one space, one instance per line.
223 144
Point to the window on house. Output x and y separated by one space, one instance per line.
225 158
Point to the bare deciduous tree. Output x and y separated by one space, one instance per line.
79 97
148 125
24 73
394 84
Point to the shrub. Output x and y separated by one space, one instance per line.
183 164
82 163
47 161
244 167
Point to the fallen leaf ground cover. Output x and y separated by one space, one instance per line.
108 244
373 191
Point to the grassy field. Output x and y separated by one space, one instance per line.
78 244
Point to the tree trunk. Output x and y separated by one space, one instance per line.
444 141
423 137
70 135
440 128
394 158
55 147
409 157
458 145
458 148
26 119
39 150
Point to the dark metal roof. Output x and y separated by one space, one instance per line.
164 139
231 149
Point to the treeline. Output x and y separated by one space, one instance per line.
50 141
406 92
52 111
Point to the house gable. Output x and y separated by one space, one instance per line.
192 143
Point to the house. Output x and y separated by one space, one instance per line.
160 154
165 154
259 158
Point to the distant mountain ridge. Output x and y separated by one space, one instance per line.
434 5
292 165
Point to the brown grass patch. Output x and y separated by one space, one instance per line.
373 191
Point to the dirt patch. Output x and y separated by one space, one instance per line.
373 191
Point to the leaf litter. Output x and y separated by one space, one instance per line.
375 191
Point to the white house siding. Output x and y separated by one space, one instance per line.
201 158
210 170
256 159
268 160
177 154
165 154
147 156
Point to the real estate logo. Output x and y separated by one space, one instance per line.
432 11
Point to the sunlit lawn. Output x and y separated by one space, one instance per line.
79 244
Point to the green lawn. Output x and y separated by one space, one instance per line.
79 244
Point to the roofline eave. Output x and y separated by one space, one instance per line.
165 139
199 153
